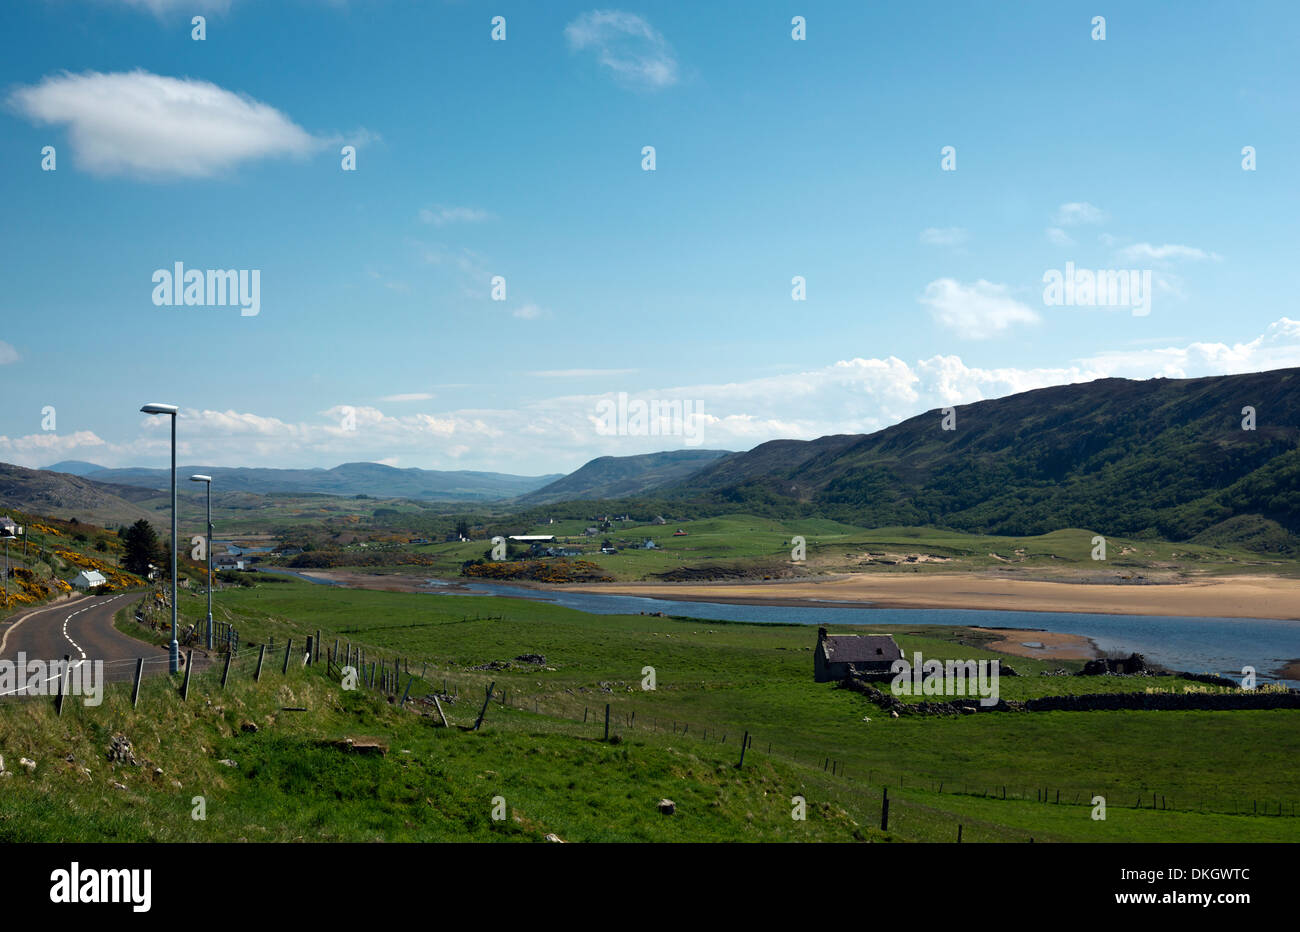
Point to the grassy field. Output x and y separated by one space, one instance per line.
290 780
762 546
718 680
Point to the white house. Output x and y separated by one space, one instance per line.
88 579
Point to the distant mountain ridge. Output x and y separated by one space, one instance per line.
374 479
63 495
1158 457
623 476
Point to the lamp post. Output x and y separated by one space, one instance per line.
207 545
8 537
174 659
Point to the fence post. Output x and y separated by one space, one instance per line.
225 674
189 666
288 646
135 690
606 721
486 700
409 681
959 833
884 811
744 743
260 657
63 677
317 650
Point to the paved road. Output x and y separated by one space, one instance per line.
81 628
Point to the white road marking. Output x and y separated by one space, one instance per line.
71 666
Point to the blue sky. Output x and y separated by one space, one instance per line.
377 338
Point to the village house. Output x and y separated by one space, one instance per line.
840 655
88 579
9 527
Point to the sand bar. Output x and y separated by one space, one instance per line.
1217 597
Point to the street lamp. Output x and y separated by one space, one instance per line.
174 664
207 545
10 535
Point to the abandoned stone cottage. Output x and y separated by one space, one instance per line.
836 656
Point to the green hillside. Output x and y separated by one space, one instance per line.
1164 458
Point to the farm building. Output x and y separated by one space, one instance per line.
88 579
839 655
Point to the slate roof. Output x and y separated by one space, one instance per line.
866 648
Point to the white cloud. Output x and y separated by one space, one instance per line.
1058 237
944 236
409 396
44 448
1137 251
1077 213
7 353
625 44
852 395
530 312
440 216
975 311
159 127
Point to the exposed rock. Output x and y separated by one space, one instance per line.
247 726
119 751
552 837
667 806
27 762
227 762
362 746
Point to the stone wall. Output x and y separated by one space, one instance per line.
1085 703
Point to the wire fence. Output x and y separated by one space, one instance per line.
394 677
463 697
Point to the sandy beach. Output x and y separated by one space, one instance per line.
1043 645
1219 597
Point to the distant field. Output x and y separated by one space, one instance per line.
761 547
723 679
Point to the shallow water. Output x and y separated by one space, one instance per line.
1196 645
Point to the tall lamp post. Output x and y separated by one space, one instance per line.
207 545
174 658
9 535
